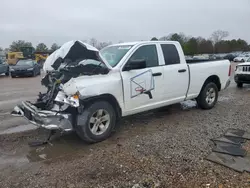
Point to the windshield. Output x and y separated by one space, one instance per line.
24 62
113 54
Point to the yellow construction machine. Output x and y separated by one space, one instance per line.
40 57
13 57
27 53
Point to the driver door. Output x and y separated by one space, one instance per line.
143 87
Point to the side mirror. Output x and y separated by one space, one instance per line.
135 64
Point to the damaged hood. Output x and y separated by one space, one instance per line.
72 51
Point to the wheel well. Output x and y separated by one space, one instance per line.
106 97
215 79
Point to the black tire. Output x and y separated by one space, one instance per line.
242 61
83 129
239 85
201 100
12 76
7 73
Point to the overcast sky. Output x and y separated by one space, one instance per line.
113 20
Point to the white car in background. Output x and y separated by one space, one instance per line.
201 57
242 58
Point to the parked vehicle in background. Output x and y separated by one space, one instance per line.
188 57
201 57
25 67
220 55
120 80
230 57
242 58
236 53
242 73
212 56
2 56
4 68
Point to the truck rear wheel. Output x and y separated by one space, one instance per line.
208 96
97 122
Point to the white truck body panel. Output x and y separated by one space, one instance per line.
201 71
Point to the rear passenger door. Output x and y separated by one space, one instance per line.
176 75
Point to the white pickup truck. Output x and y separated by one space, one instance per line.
93 89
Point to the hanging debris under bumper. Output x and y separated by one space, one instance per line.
42 118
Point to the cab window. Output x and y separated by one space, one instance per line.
148 53
171 55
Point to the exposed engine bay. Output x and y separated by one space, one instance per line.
78 61
53 80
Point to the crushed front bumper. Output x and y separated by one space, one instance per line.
43 118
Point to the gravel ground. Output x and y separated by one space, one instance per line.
164 148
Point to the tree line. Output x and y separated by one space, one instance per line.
41 47
215 44
191 45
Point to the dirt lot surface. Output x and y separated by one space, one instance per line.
164 148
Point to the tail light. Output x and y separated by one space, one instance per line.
229 72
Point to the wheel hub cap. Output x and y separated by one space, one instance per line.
99 122
210 96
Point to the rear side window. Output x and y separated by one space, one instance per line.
171 54
149 53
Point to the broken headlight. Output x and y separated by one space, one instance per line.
73 100
70 100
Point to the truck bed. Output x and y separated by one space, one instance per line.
201 70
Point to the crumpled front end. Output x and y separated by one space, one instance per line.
51 120
57 108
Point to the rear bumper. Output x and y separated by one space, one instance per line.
242 78
42 118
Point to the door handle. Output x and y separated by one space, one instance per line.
157 74
182 70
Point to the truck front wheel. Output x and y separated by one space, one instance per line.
208 96
97 122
